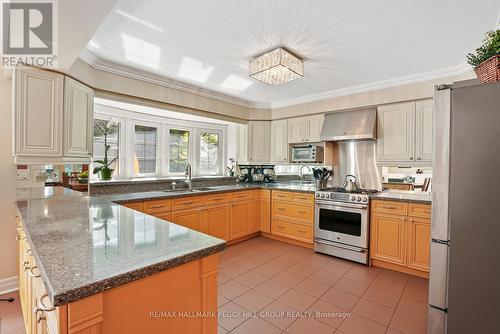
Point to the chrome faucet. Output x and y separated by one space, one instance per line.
302 174
187 172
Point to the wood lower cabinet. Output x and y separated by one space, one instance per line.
400 236
190 218
240 216
265 211
388 238
217 221
419 231
292 215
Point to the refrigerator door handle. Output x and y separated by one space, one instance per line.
438 276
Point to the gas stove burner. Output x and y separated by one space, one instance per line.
342 190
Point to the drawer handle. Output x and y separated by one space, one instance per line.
411 220
302 198
302 231
32 274
280 209
187 203
389 207
18 237
280 195
302 212
281 226
157 206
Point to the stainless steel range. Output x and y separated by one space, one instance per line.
341 226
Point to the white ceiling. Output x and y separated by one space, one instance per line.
346 45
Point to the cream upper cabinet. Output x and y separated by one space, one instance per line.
259 139
279 141
305 129
423 128
78 118
38 114
396 123
405 134
241 143
53 117
314 125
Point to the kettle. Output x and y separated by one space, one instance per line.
350 183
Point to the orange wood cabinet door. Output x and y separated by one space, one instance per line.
190 218
239 219
265 215
217 221
255 215
419 236
137 205
388 238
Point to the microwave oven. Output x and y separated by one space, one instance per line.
307 153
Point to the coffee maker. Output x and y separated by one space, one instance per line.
255 173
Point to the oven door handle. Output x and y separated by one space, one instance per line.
329 205
335 244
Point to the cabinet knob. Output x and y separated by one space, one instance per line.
419 158
411 158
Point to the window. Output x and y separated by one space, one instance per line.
145 149
178 150
111 129
210 153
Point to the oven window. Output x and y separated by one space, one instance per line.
301 154
340 221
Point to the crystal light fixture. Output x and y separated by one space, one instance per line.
276 67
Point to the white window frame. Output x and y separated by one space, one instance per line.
221 152
192 156
131 147
129 119
121 145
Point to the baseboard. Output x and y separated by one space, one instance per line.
8 284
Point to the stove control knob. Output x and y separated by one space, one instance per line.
322 195
353 198
358 199
327 195
317 195
365 199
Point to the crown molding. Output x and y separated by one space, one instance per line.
112 67
390 83
146 76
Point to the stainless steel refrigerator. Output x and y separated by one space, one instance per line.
464 282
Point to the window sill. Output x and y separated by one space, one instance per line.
159 179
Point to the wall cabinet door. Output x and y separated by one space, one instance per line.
419 236
396 132
38 113
190 218
217 221
314 125
297 130
423 130
259 138
279 141
241 143
239 219
78 118
388 238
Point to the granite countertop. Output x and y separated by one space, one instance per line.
285 186
85 245
404 196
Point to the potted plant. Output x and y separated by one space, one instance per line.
230 169
104 171
83 177
486 59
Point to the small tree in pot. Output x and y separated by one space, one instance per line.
104 170
486 59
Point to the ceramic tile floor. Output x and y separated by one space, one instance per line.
261 278
266 277
11 319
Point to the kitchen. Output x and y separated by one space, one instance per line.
302 197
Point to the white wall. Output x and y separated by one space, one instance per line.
8 190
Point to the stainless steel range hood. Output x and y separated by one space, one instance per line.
358 124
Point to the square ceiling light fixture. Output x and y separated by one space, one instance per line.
276 67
